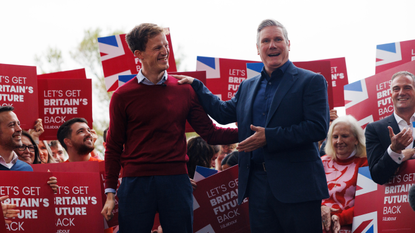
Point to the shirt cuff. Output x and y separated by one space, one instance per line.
109 190
395 156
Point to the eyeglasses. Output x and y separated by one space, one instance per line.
23 148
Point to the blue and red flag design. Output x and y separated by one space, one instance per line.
394 54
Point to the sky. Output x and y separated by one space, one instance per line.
318 29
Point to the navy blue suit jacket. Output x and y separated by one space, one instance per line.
297 120
381 165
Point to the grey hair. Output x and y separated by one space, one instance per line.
269 23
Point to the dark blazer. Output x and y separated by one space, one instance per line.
381 165
297 120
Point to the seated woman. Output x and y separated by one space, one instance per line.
345 154
200 154
28 152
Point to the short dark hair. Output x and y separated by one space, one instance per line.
65 130
138 37
6 108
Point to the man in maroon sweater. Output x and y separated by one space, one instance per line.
147 138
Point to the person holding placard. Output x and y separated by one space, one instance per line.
146 137
281 114
10 138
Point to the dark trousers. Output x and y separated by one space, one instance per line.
267 214
141 197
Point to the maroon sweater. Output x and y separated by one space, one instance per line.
150 122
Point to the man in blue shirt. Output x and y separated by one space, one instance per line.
281 114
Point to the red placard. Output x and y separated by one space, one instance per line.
61 99
117 58
394 54
33 197
384 208
223 76
18 88
78 203
215 204
369 99
338 79
90 166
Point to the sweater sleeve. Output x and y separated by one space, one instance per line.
115 141
204 126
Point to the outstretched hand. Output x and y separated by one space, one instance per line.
183 79
255 141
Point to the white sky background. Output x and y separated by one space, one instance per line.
317 29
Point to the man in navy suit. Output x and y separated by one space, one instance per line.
281 114
389 142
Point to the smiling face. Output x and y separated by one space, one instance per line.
43 152
403 94
273 48
28 154
343 140
81 138
10 131
155 57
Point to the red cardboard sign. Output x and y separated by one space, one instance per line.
338 79
369 99
18 88
384 208
223 76
90 166
394 54
61 99
215 204
117 58
78 203
33 197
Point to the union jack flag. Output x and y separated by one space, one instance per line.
394 54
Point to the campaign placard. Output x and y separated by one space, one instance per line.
117 59
320 67
369 99
33 197
78 203
384 208
90 166
223 76
18 88
338 79
394 54
61 99
215 204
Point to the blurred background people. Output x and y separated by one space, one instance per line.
346 153
230 160
58 153
45 154
225 150
200 154
216 151
28 152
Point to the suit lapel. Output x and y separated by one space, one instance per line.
288 79
250 94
